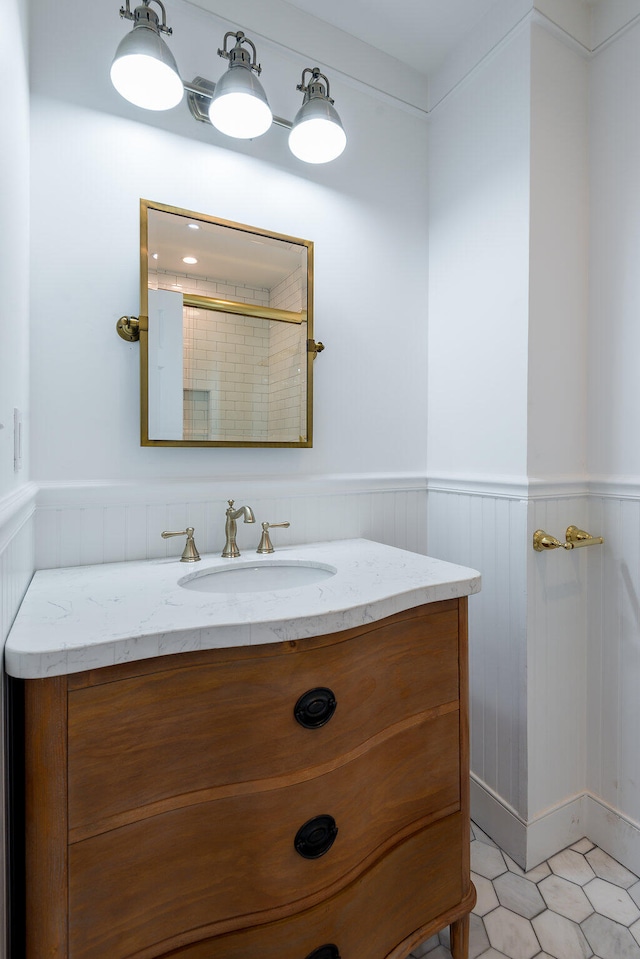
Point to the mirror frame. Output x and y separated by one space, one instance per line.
145 206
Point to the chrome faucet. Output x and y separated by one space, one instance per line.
230 547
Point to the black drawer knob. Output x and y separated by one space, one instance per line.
316 837
315 707
325 952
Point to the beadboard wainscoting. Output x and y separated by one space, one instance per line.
488 527
531 659
78 525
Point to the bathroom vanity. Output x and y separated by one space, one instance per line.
279 773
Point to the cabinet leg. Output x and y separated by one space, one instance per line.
460 938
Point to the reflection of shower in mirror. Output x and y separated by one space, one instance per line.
225 355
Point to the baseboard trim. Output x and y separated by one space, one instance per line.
557 828
499 820
527 842
614 832
531 842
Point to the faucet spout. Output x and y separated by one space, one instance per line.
231 550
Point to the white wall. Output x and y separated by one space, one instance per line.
14 215
559 259
366 218
614 451
478 270
614 394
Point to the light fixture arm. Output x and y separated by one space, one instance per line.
314 87
238 54
151 15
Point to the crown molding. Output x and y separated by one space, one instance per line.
585 28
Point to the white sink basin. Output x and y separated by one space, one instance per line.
257 577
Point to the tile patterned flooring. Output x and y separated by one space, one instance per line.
580 904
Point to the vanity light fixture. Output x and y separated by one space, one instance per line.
239 106
317 135
145 73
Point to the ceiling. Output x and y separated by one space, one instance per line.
421 31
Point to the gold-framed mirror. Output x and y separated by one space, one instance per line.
226 332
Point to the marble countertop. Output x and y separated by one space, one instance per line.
87 617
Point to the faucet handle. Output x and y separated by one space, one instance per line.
266 546
190 554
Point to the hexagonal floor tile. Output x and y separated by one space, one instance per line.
608 939
565 898
487 860
572 866
519 895
487 899
561 937
511 934
583 845
612 901
610 869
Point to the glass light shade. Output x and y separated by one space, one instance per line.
144 71
239 107
317 135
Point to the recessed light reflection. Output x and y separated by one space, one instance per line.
189 259
155 256
193 226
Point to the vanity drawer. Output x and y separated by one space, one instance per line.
223 860
214 720
418 881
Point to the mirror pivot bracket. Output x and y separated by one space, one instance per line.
128 328
315 347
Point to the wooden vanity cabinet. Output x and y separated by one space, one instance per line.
301 800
